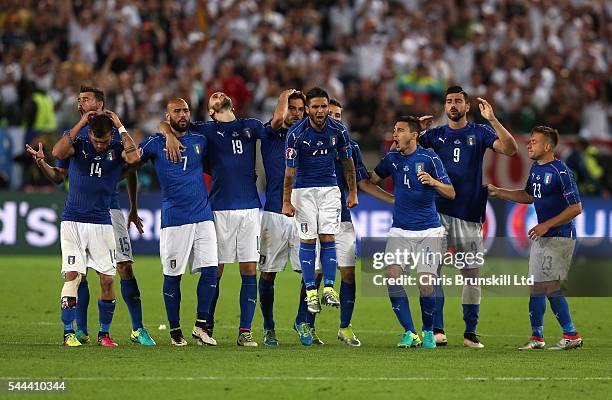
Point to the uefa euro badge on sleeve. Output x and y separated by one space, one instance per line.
247 133
196 147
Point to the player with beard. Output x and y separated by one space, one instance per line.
187 230
234 199
461 146
91 99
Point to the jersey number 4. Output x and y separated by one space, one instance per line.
95 170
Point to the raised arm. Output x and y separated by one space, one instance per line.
281 109
64 147
505 143
288 208
54 174
130 154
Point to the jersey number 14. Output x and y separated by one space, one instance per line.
95 170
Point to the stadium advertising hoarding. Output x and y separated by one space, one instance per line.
29 223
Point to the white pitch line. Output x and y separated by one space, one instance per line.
310 378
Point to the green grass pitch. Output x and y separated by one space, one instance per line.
30 338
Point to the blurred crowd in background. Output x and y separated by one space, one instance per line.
537 62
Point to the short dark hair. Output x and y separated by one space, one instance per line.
314 93
413 122
297 95
334 102
456 89
551 133
101 125
98 93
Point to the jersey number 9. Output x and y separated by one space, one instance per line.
456 154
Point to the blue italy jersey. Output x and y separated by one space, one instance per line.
84 132
93 179
313 153
273 155
553 188
361 173
231 156
461 152
415 203
184 196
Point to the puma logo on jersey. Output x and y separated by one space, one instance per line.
220 133
306 142
441 139
394 165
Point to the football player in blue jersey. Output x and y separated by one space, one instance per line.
418 177
345 243
551 187
87 237
461 146
187 230
279 239
234 200
311 148
92 99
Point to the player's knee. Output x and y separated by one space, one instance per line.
425 290
326 238
347 274
393 271
248 268
125 271
470 273
106 283
70 288
220 270
268 276
308 241
471 295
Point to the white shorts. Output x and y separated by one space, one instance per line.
463 236
550 258
424 249
195 244
279 243
317 211
238 235
87 245
122 237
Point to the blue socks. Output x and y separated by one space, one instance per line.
347 303
329 263
131 296
401 307
537 308
439 307
248 300
172 299
82 306
210 319
307 262
428 304
68 313
207 287
559 306
266 301
106 309
302 313
470 316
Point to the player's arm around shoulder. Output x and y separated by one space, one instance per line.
504 143
173 145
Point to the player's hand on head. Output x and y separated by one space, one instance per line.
538 231
86 117
173 148
486 110
425 121
136 220
114 117
288 209
288 92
